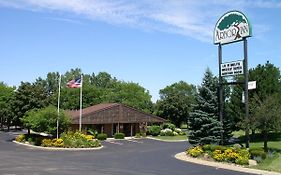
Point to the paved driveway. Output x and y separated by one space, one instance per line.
137 157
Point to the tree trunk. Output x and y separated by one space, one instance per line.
8 124
28 131
1 124
265 139
253 134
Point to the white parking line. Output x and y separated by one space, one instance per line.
116 143
134 141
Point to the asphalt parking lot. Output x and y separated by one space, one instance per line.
133 157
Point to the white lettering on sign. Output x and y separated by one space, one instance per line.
232 68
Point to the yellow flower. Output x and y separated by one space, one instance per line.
195 151
89 137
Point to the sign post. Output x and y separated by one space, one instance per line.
246 74
232 27
221 103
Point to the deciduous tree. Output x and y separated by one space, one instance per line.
266 115
45 120
176 101
6 95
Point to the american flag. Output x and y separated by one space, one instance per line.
75 83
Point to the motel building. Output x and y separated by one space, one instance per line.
111 118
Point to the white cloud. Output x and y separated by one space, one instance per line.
194 19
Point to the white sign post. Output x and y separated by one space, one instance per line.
232 68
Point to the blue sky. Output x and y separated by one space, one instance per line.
153 43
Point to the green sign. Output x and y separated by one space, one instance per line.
232 27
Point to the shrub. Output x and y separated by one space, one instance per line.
47 143
244 153
30 140
45 120
230 155
138 135
38 140
119 135
258 153
102 136
154 130
77 140
242 160
182 133
94 133
195 151
162 133
20 138
89 137
218 155
143 134
94 143
212 148
57 142
168 132
175 133
169 126
178 130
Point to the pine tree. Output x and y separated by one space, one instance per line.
204 123
228 124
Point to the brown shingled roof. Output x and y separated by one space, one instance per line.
91 109
95 114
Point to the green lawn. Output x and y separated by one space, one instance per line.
171 138
272 163
238 133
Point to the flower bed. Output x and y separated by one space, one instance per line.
221 154
67 140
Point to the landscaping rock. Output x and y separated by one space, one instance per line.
252 162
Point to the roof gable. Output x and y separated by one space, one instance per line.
113 113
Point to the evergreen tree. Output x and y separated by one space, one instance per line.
228 124
204 124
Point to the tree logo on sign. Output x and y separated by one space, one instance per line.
231 27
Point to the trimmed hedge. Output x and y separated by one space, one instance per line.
102 136
119 135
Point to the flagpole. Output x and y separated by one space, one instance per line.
80 116
58 107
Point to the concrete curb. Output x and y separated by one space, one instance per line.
166 140
57 149
183 157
